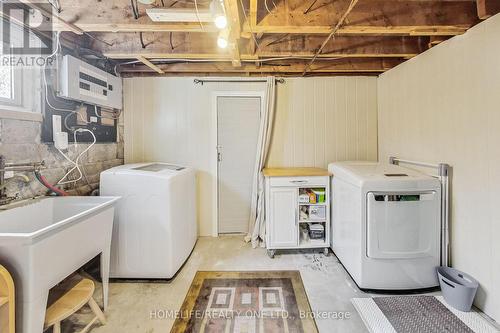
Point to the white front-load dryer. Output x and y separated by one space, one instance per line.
386 225
155 226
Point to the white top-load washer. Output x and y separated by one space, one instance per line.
155 226
386 225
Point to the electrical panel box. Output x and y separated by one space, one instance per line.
83 82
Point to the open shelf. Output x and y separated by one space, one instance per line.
312 221
313 243
312 204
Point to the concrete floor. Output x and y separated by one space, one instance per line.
132 305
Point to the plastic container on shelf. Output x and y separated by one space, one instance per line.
303 198
316 231
320 194
312 196
317 212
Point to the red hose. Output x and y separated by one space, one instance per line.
51 187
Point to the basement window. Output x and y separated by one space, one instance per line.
20 87
10 84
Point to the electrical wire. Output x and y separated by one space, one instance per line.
142 40
352 4
58 47
77 160
184 60
198 14
170 40
249 25
72 128
135 9
267 7
55 4
101 116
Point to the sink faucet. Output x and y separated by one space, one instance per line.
29 167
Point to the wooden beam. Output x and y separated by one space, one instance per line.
202 45
374 17
435 40
253 13
197 56
140 27
358 30
150 64
234 20
487 8
292 68
375 13
253 57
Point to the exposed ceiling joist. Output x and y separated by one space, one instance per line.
253 13
253 57
373 13
374 17
360 30
375 66
234 20
273 37
202 44
487 8
139 27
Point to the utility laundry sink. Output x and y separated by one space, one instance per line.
42 241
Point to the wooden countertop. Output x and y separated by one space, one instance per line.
294 172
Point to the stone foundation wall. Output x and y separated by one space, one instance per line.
20 142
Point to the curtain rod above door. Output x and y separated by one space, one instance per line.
242 80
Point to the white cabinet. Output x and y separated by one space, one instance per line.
282 217
297 209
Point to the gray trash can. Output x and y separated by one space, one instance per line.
459 289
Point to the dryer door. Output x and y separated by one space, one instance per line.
402 225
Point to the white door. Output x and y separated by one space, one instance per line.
283 217
237 135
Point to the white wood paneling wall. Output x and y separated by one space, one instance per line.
444 106
321 120
318 120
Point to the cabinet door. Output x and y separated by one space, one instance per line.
283 217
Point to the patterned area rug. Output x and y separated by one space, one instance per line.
418 314
250 302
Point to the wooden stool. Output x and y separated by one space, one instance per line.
72 301
7 304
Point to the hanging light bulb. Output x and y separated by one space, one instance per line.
218 13
220 21
222 39
222 42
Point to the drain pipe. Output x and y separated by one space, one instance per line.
443 173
